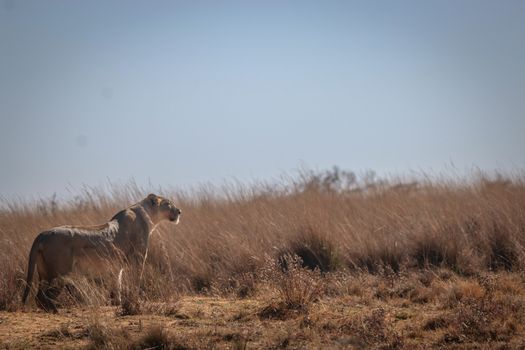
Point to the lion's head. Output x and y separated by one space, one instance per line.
162 208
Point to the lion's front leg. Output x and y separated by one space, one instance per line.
119 286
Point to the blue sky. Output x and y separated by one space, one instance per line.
176 93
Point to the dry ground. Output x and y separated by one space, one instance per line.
431 309
214 323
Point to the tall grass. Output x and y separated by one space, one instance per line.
333 220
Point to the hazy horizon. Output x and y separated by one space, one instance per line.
175 94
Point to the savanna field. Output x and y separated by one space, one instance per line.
321 260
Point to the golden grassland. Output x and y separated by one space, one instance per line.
320 260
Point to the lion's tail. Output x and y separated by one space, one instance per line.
31 267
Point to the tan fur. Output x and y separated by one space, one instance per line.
86 249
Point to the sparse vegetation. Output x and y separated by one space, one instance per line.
324 259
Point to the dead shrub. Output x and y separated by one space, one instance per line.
11 285
409 286
101 336
130 302
463 290
372 329
58 333
276 310
503 249
473 321
388 289
157 337
481 314
437 249
314 249
201 283
341 283
437 322
297 287
164 308
243 285
377 258
423 295
510 285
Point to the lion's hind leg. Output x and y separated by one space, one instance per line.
47 295
51 268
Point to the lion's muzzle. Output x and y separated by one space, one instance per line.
175 215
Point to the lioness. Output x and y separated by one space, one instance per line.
59 251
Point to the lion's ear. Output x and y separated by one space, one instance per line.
153 199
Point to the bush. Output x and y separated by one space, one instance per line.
297 287
377 258
503 249
157 338
314 249
101 336
481 314
371 329
11 283
130 304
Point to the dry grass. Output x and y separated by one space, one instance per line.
434 245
